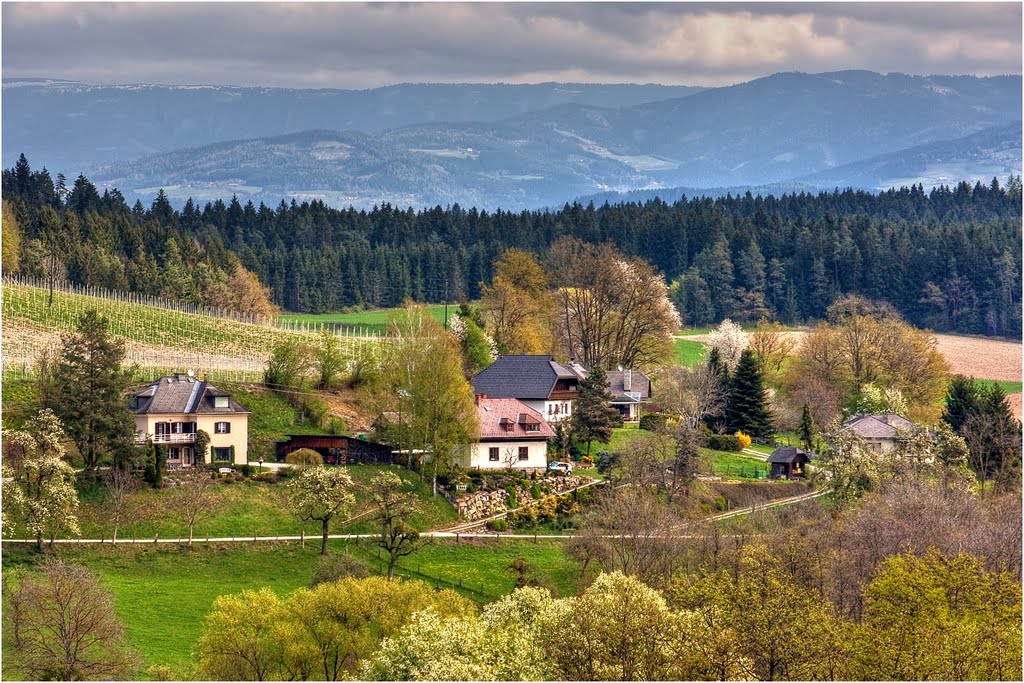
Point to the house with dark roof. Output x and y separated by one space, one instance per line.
788 462
881 432
172 410
512 436
544 385
629 389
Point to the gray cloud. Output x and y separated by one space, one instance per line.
367 45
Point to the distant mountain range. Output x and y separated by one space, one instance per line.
520 146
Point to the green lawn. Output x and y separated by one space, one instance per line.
250 508
735 465
689 353
1008 387
376 322
622 437
163 594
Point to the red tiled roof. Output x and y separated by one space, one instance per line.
496 414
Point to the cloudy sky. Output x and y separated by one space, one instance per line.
358 45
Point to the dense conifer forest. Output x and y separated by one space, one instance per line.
948 259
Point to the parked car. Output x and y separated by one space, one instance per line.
564 468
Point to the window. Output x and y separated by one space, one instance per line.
222 454
524 452
492 454
220 402
172 454
532 427
222 427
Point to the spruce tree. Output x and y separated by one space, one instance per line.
593 418
746 407
962 400
807 428
89 393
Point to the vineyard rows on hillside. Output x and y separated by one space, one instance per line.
156 336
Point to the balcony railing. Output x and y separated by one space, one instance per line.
166 438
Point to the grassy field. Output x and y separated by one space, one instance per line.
689 353
163 594
735 465
250 508
1008 387
376 322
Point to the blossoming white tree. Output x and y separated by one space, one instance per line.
731 341
41 489
321 494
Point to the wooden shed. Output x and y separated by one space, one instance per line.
336 449
788 462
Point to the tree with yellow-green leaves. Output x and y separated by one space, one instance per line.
421 384
939 618
10 240
312 634
516 304
866 344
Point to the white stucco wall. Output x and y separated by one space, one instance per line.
479 455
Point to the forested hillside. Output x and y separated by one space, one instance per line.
949 259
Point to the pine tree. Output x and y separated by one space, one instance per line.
89 388
746 408
593 418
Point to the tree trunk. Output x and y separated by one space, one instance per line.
391 568
323 542
39 541
190 535
433 484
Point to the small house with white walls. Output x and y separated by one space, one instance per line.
546 386
512 436
172 410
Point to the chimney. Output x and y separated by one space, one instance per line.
627 380
479 397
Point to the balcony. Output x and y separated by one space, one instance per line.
166 438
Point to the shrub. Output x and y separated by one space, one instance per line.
287 472
498 525
512 501
535 491
301 458
587 461
744 440
246 470
334 567
724 442
652 422
720 503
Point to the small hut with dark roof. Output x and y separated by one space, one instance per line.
788 462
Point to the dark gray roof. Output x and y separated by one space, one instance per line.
179 394
522 377
788 454
639 383
882 426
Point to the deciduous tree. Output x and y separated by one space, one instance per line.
321 494
41 489
395 508
63 626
